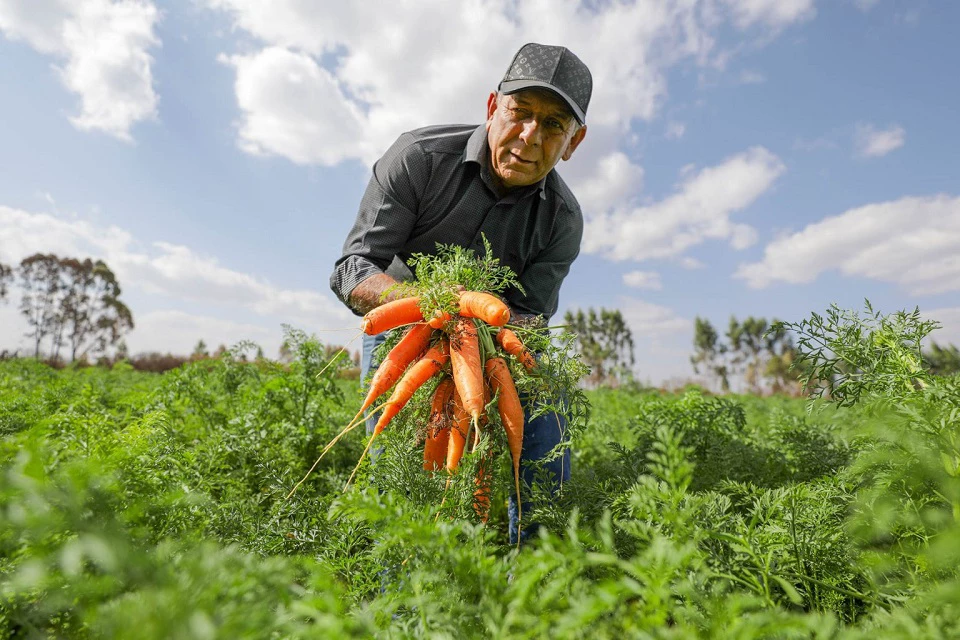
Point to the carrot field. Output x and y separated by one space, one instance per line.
155 506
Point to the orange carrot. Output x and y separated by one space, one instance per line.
438 428
511 414
466 366
484 306
458 434
481 497
419 372
483 419
512 345
405 351
411 346
439 319
391 315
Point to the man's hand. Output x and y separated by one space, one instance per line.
369 294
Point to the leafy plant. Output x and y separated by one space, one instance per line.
852 354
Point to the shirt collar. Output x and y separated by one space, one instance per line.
478 151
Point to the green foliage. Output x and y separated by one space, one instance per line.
440 275
156 503
849 354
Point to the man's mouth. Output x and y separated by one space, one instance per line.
519 159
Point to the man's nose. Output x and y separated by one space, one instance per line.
531 132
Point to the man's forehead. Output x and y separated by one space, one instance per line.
543 99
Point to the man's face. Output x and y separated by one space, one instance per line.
528 133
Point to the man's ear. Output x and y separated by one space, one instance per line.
491 107
575 142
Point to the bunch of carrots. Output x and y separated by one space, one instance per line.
458 349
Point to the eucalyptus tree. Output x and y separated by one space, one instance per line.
760 353
39 277
92 315
6 274
605 344
942 360
709 355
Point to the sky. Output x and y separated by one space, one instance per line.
742 157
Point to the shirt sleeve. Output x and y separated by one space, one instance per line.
386 218
542 277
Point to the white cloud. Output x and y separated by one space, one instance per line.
865 5
413 63
949 319
699 211
293 107
752 77
873 143
688 262
675 130
643 280
648 320
913 242
178 332
773 13
614 179
103 45
661 339
168 274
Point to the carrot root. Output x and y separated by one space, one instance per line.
391 315
511 415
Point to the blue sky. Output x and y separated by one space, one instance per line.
743 157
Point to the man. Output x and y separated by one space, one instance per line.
455 184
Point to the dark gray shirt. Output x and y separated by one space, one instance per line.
433 185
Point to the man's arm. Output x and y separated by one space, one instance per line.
385 220
369 294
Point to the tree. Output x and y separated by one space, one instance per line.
200 351
605 344
782 367
754 348
942 361
40 280
93 316
6 275
758 352
123 351
709 353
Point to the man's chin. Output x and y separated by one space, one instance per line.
512 179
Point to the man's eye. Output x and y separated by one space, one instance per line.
554 125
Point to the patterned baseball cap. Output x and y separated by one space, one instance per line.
554 68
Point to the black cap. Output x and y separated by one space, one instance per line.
554 68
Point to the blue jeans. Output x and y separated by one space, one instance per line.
540 436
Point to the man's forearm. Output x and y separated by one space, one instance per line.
369 293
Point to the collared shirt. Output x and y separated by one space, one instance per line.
434 186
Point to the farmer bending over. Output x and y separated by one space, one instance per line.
453 184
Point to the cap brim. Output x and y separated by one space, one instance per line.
512 86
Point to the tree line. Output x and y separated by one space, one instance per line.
758 352
753 354
72 306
